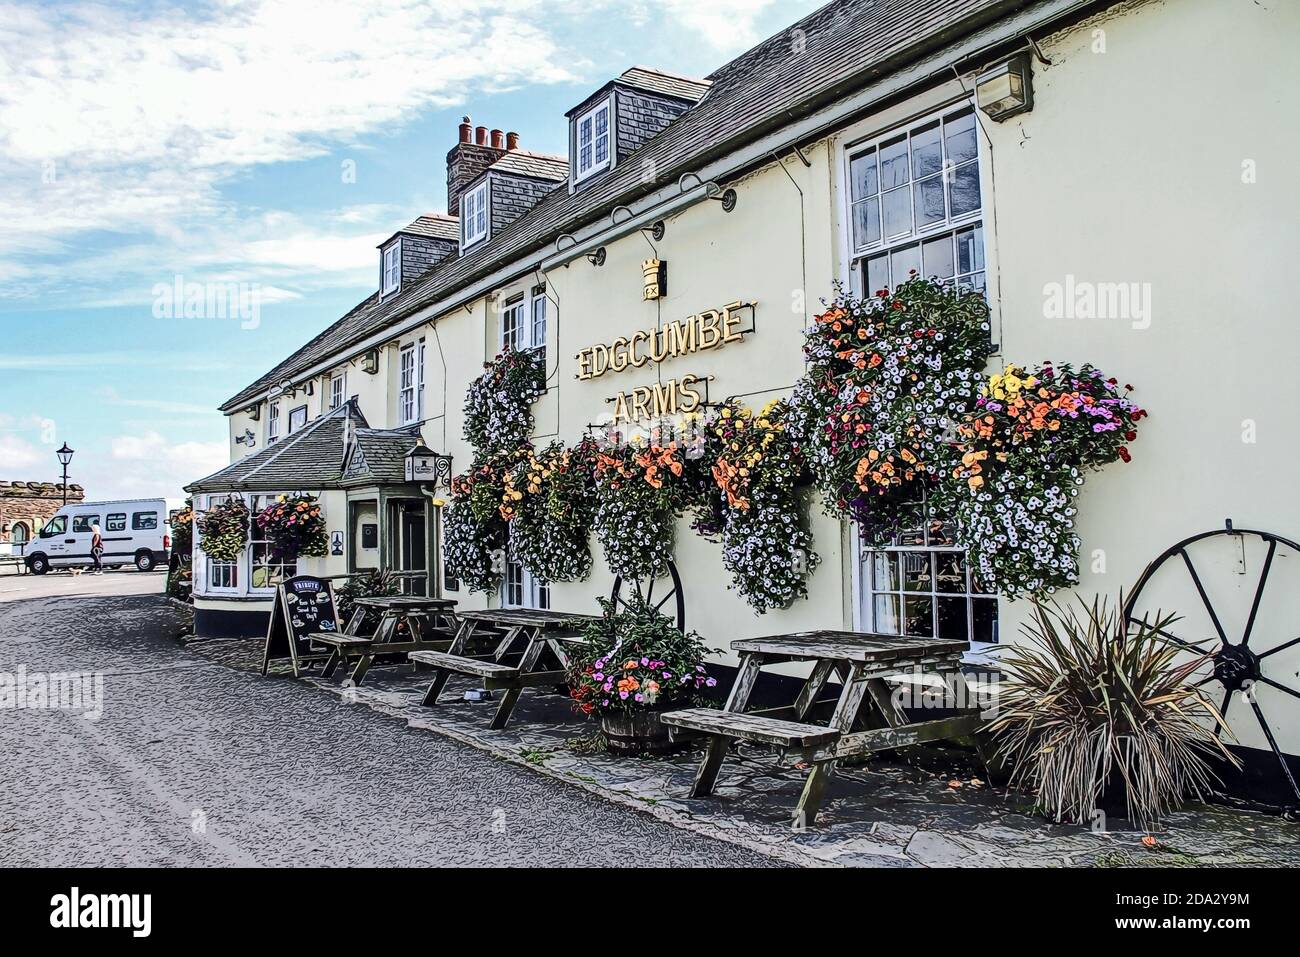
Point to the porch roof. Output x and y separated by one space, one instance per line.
337 450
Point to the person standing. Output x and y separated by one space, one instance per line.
96 550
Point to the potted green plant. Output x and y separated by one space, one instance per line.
1093 714
636 664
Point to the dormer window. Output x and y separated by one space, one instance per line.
392 269
474 216
592 141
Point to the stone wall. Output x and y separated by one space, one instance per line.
32 504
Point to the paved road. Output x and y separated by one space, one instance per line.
192 763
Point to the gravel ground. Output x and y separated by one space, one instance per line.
192 763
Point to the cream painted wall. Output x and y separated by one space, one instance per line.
1130 169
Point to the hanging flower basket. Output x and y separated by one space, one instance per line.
294 528
498 405
223 530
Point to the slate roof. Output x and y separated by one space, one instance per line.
383 456
665 84
435 226
850 43
537 165
313 457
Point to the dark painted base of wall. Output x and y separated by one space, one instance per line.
226 623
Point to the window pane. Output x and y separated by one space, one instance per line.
984 618
893 163
952 619
866 223
936 254
965 190
898 212
972 283
960 135
918 616
950 572
970 250
863 176
927 151
877 273
929 201
886 614
144 520
916 571
902 262
884 571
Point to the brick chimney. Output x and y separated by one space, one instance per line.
512 142
469 158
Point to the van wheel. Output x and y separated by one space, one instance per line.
144 562
38 564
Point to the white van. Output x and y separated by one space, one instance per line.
134 532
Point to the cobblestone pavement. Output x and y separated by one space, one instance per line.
196 763
277 767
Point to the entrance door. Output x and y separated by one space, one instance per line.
410 543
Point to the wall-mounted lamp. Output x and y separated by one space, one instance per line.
597 258
1006 89
425 465
370 364
246 439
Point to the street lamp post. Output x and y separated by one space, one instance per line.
65 456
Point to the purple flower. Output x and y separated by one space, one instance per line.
645 661
668 674
711 683
607 687
623 695
605 703
640 697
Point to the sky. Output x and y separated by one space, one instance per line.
264 147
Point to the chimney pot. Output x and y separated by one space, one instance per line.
512 141
466 130
498 140
481 136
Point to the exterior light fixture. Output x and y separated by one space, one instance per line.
1006 89
65 456
370 364
597 258
423 464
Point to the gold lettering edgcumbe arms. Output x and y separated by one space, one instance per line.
711 329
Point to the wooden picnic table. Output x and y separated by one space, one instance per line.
863 663
430 625
539 630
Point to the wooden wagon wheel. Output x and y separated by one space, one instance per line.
1241 655
646 588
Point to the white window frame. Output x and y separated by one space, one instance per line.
256 502
230 571
273 423
475 223
901 244
407 408
391 267
520 589
520 326
338 389
302 419
419 381
594 166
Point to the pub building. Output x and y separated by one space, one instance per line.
1054 155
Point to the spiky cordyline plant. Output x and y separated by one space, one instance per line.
1088 703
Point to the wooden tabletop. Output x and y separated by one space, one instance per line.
406 603
848 646
528 617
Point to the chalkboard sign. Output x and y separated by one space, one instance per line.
304 606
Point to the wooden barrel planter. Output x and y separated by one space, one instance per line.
636 735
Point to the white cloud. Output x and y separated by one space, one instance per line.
149 466
729 26
20 457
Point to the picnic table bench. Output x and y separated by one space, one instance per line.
539 630
862 663
426 620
